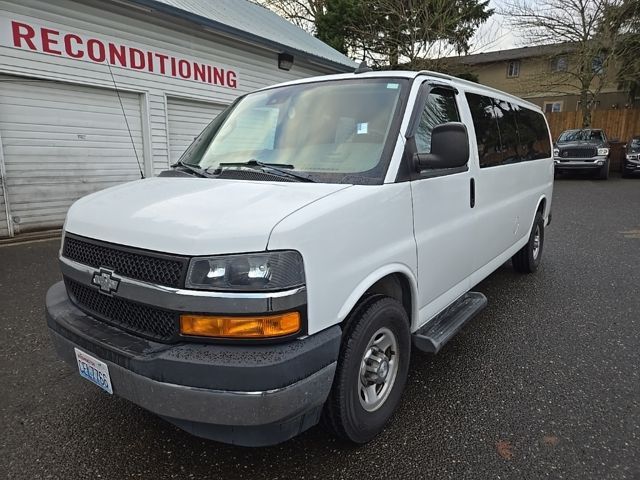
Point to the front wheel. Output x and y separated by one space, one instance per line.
527 259
372 370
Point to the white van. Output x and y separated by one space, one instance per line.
314 233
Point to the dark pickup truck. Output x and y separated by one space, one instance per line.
631 160
582 149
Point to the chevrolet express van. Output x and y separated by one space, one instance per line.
314 233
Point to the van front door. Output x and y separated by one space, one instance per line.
443 213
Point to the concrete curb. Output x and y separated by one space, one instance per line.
31 237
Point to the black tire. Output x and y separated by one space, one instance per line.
527 259
603 173
623 171
344 413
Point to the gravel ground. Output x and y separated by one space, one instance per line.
543 384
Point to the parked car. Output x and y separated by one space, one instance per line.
281 271
582 149
631 159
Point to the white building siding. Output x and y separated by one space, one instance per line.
186 119
255 67
57 150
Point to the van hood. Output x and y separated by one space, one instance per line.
581 143
191 216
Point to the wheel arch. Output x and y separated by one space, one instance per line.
541 206
396 281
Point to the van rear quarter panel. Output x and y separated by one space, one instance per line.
348 241
506 201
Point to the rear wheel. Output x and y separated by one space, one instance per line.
372 370
527 259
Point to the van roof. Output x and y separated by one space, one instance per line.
464 84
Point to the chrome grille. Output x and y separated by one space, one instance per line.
128 262
578 152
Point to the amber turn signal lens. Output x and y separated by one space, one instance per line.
240 327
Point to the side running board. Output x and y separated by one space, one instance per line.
432 336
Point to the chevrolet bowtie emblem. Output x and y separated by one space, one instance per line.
105 279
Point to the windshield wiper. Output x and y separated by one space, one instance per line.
283 170
192 168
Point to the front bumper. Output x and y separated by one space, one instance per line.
579 163
249 395
631 166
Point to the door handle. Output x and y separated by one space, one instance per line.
472 193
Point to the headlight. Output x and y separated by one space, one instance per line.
603 151
556 152
632 157
247 272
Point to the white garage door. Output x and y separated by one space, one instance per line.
61 142
187 119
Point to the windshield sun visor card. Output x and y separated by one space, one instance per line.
362 128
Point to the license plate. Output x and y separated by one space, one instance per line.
94 370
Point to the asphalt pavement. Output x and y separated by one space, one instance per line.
545 383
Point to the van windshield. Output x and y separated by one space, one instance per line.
330 131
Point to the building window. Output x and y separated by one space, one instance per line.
513 69
559 64
552 107
597 64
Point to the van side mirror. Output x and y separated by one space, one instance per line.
449 148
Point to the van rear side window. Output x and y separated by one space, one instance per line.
533 134
507 133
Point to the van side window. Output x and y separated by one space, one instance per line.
533 133
485 124
440 108
507 133
508 127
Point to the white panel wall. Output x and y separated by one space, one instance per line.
61 142
186 119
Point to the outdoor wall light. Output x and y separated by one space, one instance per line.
285 61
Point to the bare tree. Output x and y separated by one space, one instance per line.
586 40
302 13
626 21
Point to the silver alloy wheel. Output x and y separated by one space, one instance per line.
378 369
536 243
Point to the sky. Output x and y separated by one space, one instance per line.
494 34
